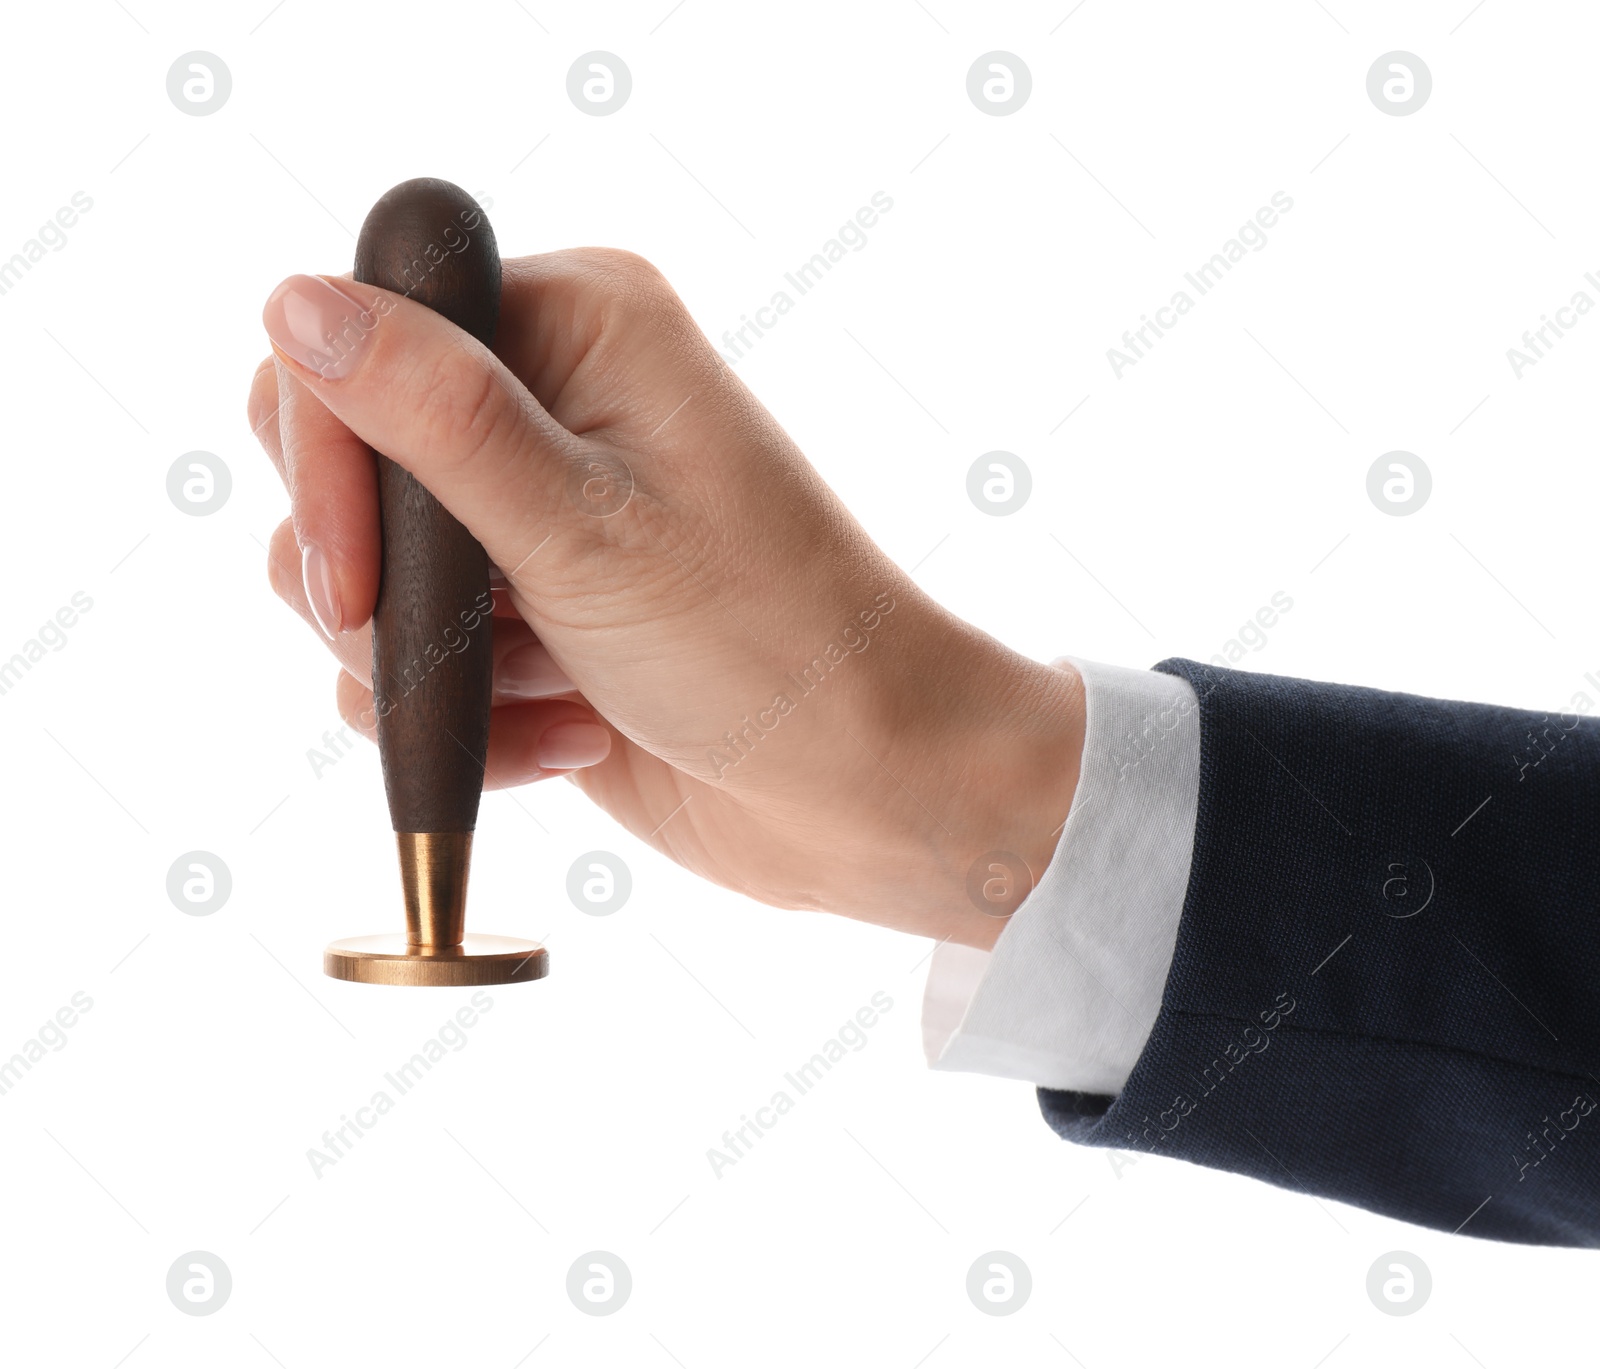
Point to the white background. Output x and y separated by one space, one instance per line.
1227 465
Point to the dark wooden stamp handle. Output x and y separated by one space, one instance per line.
432 644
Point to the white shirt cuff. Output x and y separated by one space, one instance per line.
1067 997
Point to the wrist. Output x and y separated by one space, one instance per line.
1011 769
975 767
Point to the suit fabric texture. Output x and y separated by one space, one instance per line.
1384 985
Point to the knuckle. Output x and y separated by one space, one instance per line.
628 281
623 266
466 413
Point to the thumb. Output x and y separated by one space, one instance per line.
431 397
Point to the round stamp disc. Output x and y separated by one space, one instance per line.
480 959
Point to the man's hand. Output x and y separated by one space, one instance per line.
693 627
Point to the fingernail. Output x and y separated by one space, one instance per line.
571 746
317 325
528 672
322 593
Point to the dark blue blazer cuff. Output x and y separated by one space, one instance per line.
1383 988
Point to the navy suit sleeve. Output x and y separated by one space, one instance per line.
1384 985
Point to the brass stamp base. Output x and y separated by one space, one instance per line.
390 959
435 948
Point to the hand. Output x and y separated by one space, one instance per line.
693 628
